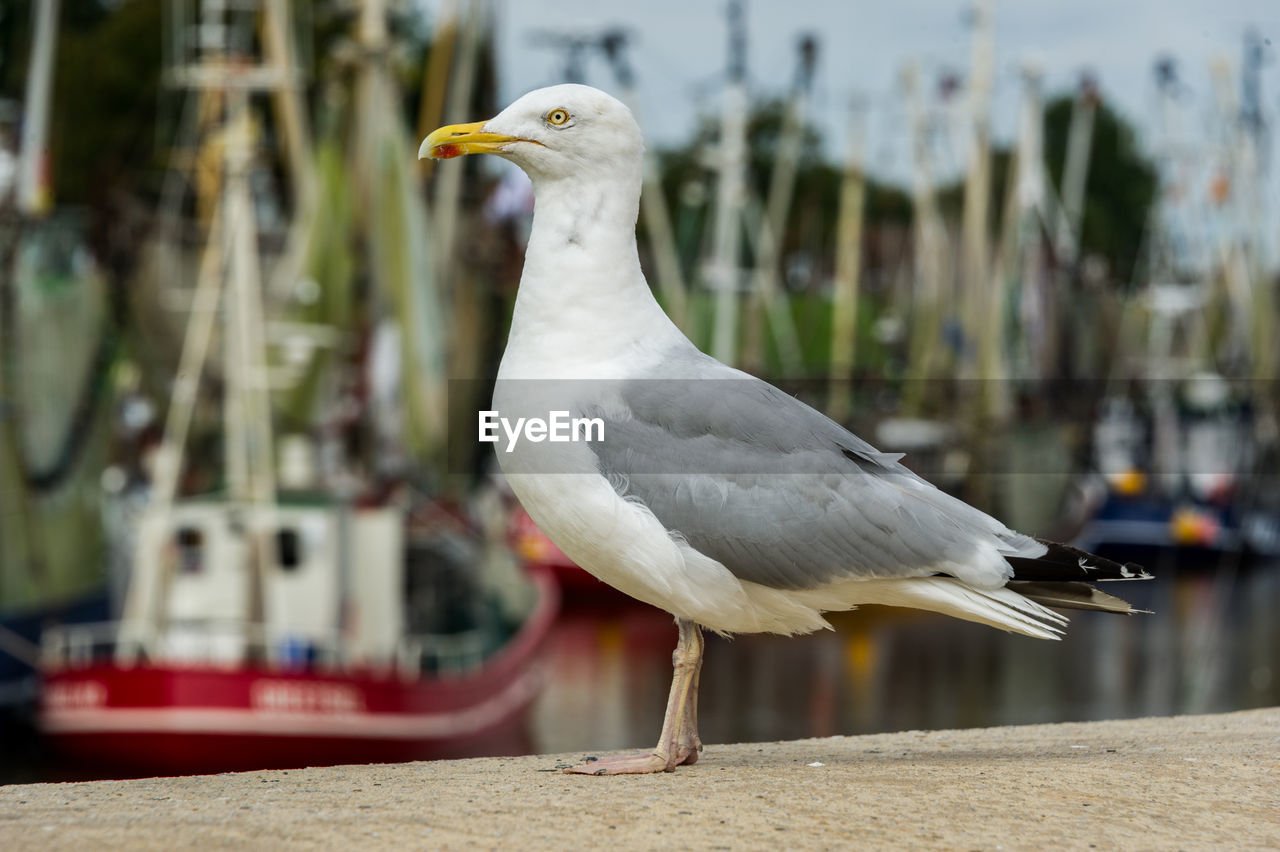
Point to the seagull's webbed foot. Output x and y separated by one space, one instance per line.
632 764
679 742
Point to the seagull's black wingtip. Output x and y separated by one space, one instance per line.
1062 562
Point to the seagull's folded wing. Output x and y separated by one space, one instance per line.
782 495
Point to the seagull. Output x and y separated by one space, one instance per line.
707 492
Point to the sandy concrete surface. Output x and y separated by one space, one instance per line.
1193 782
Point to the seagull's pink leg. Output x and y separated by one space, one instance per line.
689 731
679 741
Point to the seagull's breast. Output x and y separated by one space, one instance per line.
586 323
616 539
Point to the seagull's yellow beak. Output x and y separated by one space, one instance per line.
454 140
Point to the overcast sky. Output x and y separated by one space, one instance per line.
679 54
680 47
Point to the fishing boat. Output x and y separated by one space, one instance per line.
1190 497
333 670
293 600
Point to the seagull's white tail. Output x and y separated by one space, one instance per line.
1002 608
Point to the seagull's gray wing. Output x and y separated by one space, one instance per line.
779 493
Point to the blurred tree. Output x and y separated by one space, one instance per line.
688 182
106 133
1120 189
106 80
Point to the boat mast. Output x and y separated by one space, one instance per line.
1035 328
394 221
232 253
1252 147
34 195
977 288
653 203
1075 172
844 310
982 286
464 33
230 279
930 246
723 271
764 295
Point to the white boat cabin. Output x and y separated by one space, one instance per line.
216 581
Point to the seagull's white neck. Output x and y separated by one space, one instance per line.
583 299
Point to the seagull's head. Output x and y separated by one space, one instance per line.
556 132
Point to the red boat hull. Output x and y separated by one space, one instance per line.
158 719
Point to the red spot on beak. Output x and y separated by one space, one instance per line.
446 152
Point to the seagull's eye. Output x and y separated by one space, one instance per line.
558 116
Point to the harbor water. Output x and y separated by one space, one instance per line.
1210 644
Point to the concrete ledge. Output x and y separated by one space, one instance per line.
1184 782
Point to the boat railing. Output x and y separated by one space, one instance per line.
444 654
232 643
